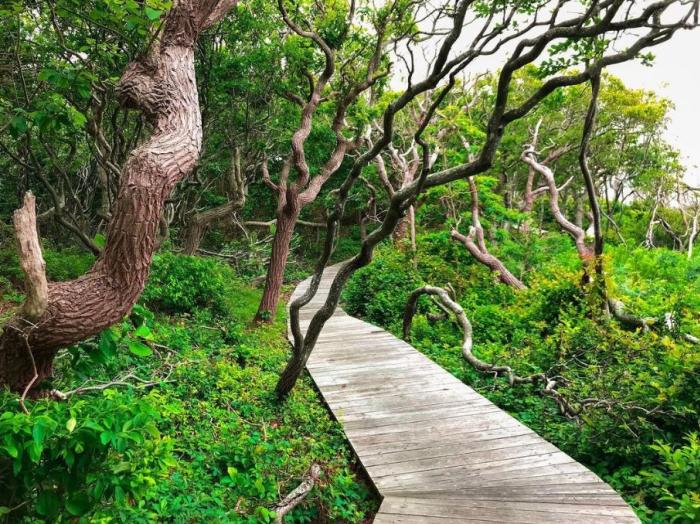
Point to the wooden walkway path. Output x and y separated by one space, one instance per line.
436 450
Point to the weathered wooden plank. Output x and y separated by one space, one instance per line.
436 450
507 512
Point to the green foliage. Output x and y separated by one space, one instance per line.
378 292
64 459
183 284
206 441
676 482
67 264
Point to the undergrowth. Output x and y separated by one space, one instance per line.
197 436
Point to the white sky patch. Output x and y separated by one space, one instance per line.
674 75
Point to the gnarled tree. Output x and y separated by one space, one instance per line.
295 194
162 85
607 21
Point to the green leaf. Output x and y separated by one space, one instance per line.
143 331
11 449
39 432
139 348
153 14
78 504
48 504
34 451
70 425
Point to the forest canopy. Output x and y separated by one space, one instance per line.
171 170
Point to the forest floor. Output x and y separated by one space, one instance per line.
219 446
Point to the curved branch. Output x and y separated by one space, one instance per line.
467 346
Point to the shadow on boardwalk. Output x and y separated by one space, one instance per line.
436 450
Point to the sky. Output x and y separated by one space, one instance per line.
676 76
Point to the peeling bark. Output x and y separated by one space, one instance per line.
577 233
293 499
31 260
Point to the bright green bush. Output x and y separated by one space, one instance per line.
379 291
675 484
183 284
64 460
212 407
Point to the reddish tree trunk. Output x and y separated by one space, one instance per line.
286 220
163 86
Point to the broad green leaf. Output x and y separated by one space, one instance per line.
153 14
139 348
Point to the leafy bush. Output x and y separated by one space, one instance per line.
379 291
67 264
675 484
210 404
68 459
183 284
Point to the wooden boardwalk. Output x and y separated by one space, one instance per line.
436 450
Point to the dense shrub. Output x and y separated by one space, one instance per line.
676 482
183 284
67 264
73 459
378 292
108 457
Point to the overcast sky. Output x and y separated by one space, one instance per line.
675 75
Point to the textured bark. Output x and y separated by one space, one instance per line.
163 86
286 221
293 499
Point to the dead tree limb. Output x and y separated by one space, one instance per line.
31 260
478 249
549 383
293 499
577 233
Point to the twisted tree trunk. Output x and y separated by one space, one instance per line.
478 249
163 86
